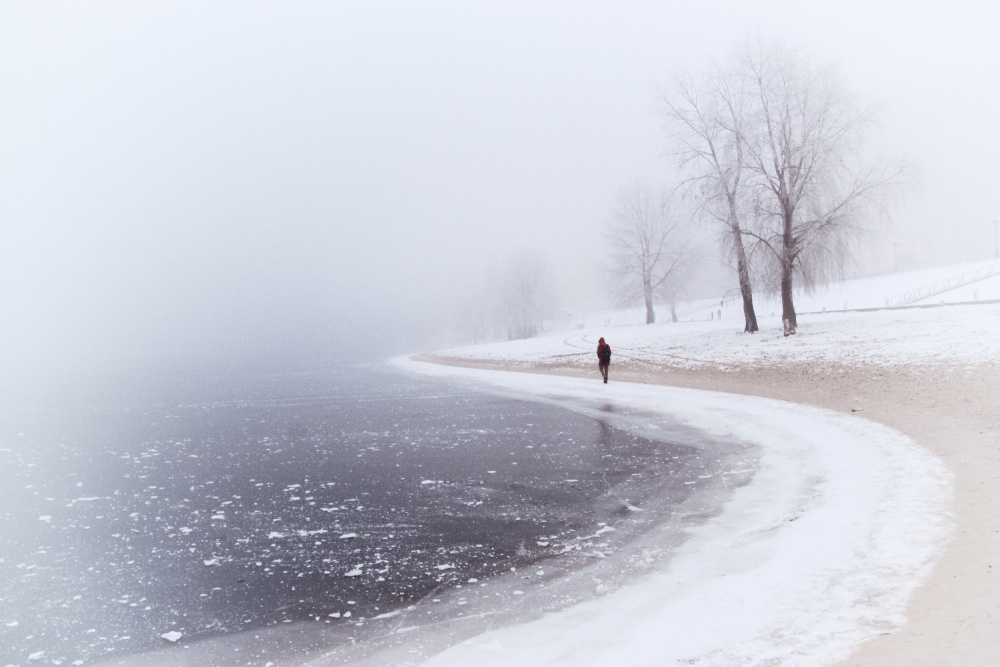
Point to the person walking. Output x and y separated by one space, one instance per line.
603 358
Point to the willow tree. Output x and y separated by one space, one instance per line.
813 187
707 123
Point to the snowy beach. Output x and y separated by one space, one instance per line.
818 552
878 412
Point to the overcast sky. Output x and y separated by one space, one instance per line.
227 178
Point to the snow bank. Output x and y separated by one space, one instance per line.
819 552
954 283
960 336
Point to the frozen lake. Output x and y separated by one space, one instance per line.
270 515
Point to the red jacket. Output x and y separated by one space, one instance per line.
603 353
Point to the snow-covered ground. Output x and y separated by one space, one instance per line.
948 284
818 552
843 518
962 335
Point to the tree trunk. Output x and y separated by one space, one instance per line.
746 291
647 289
787 267
787 307
673 312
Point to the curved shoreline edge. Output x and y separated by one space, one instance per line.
819 553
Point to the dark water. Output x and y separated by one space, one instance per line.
227 503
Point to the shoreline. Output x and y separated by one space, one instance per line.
954 616
604 558
843 468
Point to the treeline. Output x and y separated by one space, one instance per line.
770 151
513 301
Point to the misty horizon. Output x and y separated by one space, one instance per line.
182 182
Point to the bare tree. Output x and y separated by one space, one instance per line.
707 123
811 183
520 296
651 255
512 300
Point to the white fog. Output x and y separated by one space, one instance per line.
182 179
222 223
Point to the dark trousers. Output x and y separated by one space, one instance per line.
604 371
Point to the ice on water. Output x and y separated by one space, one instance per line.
226 519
